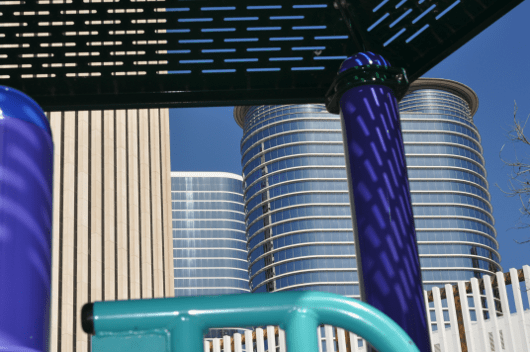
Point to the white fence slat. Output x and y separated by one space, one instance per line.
260 343
227 344
507 326
455 345
440 322
341 340
353 341
216 345
248 341
271 339
467 317
355 344
492 312
481 337
328 331
319 335
429 322
523 332
237 342
281 340
206 346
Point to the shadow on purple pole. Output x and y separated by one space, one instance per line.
385 237
26 175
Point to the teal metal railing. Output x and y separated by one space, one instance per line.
178 324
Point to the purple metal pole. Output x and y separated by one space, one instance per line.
26 170
385 238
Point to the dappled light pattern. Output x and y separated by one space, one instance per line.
385 236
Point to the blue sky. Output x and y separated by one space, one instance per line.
495 64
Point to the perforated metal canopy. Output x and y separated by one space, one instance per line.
68 54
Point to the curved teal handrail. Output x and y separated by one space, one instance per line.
184 320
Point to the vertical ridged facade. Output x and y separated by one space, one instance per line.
111 214
298 215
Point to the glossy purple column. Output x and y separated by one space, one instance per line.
385 237
26 170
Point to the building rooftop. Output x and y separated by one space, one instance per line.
447 85
206 174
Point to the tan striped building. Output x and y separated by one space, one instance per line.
112 237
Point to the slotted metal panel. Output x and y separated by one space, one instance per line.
119 53
131 53
418 34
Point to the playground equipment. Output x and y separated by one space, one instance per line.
111 54
178 324
26 173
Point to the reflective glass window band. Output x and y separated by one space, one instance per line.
451 209
290 145
288 119
445 161
282 113
441 168
436 137
295 134
420 231
302 137
438 125
456 217
298 125
261 230
439 101
440 149
289 195
444 182
260 179
453 258
296 245
282 209
456 248
453 224
450 197
250 134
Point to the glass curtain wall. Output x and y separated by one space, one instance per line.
209 244
449 190
298 219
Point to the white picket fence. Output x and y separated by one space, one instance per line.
499 331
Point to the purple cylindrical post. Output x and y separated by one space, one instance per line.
385 237
26 180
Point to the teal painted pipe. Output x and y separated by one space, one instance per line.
178 324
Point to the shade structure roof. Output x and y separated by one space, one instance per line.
69 54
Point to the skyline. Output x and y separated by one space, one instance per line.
207 139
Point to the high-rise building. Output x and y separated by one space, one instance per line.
209 243
111 230
298 218
298 214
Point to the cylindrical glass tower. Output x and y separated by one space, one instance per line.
298 217
447 175
299 227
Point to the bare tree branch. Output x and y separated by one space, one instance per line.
519 182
